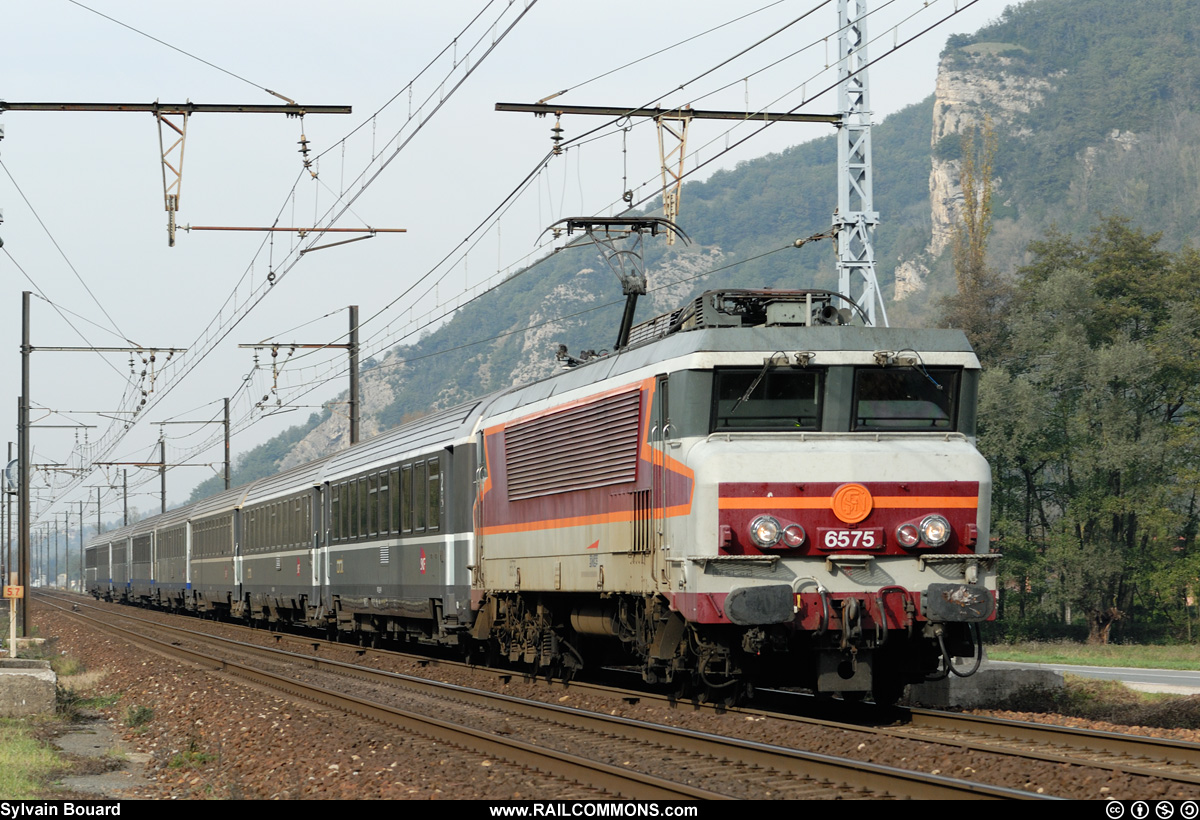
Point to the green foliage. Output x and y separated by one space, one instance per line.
1090 421
137 716
1111 66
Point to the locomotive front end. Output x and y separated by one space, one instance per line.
838 535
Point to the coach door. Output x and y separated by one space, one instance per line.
316 522
660 430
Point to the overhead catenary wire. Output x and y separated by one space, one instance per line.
453 255
213 335
181 51
61 252
645 199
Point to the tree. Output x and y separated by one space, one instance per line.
1096 489
979 304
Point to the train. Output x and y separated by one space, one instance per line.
753 491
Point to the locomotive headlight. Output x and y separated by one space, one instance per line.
765 531
935 530
794 535
908 535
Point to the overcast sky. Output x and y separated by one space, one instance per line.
96 180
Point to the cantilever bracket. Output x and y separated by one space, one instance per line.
172 163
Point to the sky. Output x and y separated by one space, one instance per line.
82 192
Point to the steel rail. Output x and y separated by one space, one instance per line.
1173 760
595 774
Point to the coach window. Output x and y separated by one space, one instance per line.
394 484
771 397
908 398
352 490
344 513
406 495
435 494
420 503
363 510
335 511
384 507
373 504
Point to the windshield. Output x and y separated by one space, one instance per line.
775 398
905 399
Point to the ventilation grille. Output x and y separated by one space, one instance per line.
592 445
385 554
641 534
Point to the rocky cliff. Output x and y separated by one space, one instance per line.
974 83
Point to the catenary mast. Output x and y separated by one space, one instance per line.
855 218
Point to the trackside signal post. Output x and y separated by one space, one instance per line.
13 592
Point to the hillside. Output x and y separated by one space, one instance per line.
1091 101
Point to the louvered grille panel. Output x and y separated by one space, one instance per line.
593 445
141 549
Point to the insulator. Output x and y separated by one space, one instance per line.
628 197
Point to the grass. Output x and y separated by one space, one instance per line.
26 763
1143 657
1109 701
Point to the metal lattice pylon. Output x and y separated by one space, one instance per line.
856 217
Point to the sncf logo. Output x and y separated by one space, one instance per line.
852 503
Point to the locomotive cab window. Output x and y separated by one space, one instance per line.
909 398
767 398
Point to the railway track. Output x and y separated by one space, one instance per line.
614 755
1136 755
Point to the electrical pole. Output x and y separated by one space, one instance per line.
228 466
23 466
351 347
856 217
162 470
354 402
228 472
9 489
82 573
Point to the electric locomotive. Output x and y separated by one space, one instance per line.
757 492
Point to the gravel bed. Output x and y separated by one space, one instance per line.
213 737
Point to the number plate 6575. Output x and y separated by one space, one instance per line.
838 539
